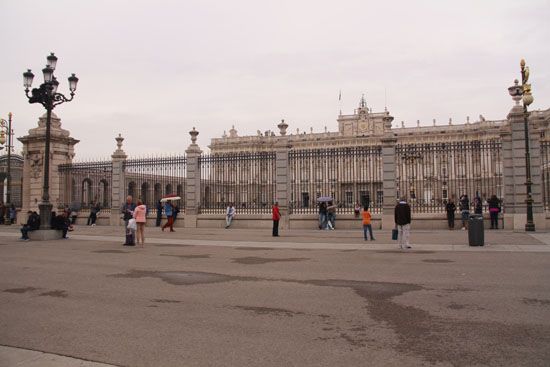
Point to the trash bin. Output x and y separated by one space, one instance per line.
475 230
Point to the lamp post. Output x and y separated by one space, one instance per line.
46 94
527 100
5 125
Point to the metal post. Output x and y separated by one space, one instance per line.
530 224
527 100
8 177
45 206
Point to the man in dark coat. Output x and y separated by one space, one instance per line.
402 216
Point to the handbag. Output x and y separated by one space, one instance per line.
132 224
394 234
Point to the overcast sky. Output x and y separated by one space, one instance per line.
151 70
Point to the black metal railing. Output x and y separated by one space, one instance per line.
150 179
429 174
349 176
247 180
85 183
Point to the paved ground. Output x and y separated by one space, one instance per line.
309 298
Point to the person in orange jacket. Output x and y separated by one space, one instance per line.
367 227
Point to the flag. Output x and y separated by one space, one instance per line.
340 95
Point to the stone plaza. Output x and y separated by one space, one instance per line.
211 297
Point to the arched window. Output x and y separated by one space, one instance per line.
158 192
179 190
86 192
132 189
103 194
168 189
74 191
144 193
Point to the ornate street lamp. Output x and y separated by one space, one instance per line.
48 97
527 100
6 126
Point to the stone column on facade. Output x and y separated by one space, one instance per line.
61 152
388 174
282 147
193 182
514 169
118 182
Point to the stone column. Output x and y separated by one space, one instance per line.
388 174
61 152
119 184
515 191
193 182
282 188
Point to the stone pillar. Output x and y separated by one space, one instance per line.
515 190
61 152
282 188
388 174
118 184
193 182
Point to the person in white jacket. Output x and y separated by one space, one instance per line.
229 215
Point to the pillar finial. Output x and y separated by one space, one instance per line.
282 127
193 134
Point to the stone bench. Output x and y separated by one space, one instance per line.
46 234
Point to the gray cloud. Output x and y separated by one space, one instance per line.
153 70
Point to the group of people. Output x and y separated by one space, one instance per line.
8 213
135 217
464 207
327 215
59 221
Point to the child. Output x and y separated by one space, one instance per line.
366 223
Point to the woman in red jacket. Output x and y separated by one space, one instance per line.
276 217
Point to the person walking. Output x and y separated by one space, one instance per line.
169 212
127 211
229 215
159 213
464 206
276 216
450 208
322 215
494 209
13 214
331 216
175 211
402 217
140 215
367 227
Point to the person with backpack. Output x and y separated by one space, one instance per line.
464 207
402 217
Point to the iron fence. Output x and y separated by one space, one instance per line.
349 176
150 179
85 183
430 174
247 180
